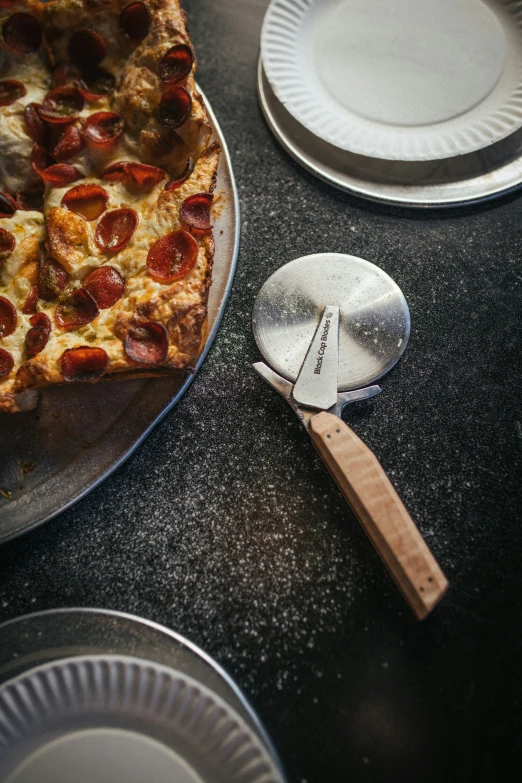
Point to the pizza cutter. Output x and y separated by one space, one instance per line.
329 325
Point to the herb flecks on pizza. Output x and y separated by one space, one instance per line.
107 174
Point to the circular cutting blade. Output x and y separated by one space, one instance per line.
374 317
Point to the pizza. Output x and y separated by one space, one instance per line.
107 172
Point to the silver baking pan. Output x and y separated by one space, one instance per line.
53 456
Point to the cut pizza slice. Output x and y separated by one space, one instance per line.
123 78
136 278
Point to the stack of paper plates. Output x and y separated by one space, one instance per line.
411 102
75 707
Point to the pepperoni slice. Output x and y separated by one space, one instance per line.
86 48
115 229
62 105
41 319
8 205
134 174
77 309
66 73
183 177
8 317
172 256
105 285
176 64
10 91
22 33
69 144
52 279
60 174
7 244
104 127
6 363
89 201
135 22
84 364
30 303
31 198
34 125
40 159
195 211
147 343
174 107
93 83
96 84
36 339
116 172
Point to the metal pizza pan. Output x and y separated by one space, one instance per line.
78 435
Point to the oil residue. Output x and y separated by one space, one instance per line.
25 467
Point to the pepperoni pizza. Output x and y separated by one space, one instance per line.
107 174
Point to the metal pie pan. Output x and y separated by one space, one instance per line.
52 456
478 176
111 717
47 637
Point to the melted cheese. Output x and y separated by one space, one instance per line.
32 71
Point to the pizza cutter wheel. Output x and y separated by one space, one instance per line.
374 316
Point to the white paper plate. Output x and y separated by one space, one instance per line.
110 719
405 80
467 179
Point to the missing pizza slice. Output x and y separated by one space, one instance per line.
112 280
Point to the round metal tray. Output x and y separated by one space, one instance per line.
52 456
44 637
467 179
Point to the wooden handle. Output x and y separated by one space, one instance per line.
381 512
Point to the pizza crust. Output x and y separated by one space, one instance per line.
17 275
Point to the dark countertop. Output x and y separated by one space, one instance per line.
226 527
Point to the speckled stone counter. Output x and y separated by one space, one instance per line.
226 527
